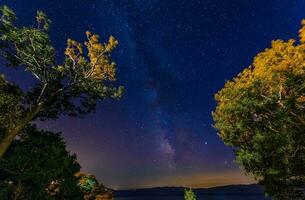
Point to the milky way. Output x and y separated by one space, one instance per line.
173 55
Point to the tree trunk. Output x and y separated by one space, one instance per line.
10 136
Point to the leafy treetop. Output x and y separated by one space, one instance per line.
71 88
261 113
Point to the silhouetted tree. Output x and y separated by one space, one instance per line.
10 97
38 166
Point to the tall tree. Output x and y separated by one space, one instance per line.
261 113
71 88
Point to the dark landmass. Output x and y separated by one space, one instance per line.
240 190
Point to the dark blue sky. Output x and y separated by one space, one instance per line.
173 55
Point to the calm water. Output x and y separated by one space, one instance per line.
203 197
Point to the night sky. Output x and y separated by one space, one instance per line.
173 55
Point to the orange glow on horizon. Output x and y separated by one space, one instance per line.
203 180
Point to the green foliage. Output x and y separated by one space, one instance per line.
189 194
91 188
10 97
72 87
261 114
87 183
43 21
38 166
58 84
8 17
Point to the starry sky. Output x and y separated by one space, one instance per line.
173 55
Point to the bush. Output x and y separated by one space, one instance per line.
189 194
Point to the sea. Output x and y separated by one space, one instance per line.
231 192
201 197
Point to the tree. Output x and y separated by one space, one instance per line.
189 194
38 166
261 113
71 88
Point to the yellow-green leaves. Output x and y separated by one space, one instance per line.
71 87
74 50
302 32
189 194
85 73
7 15
99 55
261 113
43 21
97 65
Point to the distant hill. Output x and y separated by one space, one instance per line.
240 190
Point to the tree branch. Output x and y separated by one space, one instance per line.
42 93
